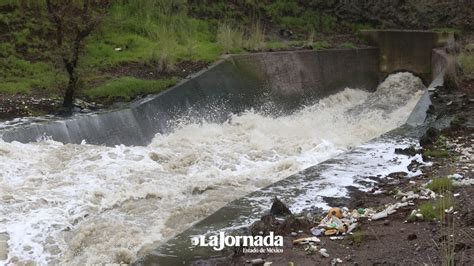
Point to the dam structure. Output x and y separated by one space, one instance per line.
210 153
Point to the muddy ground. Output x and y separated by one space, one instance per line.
399 239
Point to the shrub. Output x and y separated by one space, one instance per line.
466 61
229 38
319 45
441 184
256 38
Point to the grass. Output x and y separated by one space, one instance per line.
256 38
441 184
230 39
436 209
466 61
348 45
157 33
440 153
458 121
447 30
20 76
356 237
126 88
320 45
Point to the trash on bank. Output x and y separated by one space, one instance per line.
256 261
316 231
335 261
306 240
310 249
324 252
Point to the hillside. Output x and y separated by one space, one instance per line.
143 47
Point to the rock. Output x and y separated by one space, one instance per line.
386 222
429 137
292 224
460 246
279 208
412 236
410 151
263 227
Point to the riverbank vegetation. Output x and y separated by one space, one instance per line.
145 46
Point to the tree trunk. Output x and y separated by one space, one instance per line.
71 88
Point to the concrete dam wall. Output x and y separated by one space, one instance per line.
236 83
290 129
285 79
300 190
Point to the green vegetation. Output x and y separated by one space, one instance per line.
436 209
319 45
124 87
466 61
428 210
256 40
158 34
441 184
230 39
447 30
21 76
435 153
348 45
458 121
356 237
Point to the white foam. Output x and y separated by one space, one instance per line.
83 204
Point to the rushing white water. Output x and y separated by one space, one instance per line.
82 204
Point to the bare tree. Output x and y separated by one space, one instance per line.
74 21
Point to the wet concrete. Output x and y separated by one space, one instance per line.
303 190
408 50
281 80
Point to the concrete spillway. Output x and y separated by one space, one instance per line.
283 112
286 79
